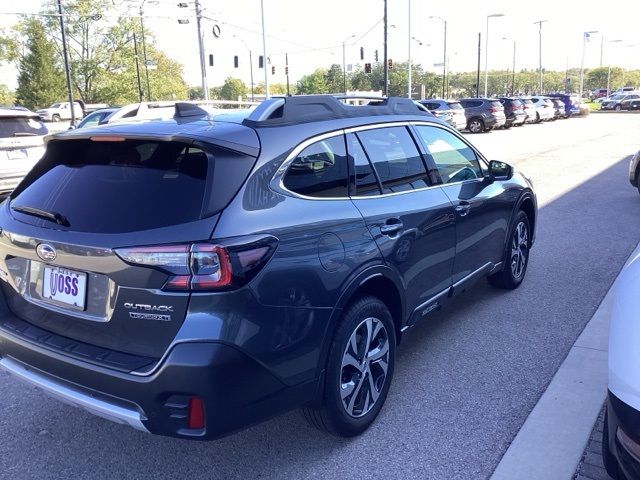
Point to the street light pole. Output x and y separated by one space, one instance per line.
513 70
144 47
444 54
66 65
264 52
385 80
344 63
135 57
486 53
540 22
250 64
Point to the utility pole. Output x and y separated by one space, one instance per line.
251 72
478 72
540 22
513 72
344 63
409 54
144 50
66 66
385 86
264 52
601 48
203 66
135 57
444 59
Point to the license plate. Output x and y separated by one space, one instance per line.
20 154
64 286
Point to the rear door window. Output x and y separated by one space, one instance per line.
131 185
320 170
455 160
395 157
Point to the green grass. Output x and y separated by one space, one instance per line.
593 106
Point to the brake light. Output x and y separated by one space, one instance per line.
204 266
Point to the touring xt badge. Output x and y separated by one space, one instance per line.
144 311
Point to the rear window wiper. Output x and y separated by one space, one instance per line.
37 212
25 134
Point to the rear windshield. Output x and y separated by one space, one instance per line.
496 103
455 106
516 103
132 185
527 102
21 126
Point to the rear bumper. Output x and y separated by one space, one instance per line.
236 390
623 417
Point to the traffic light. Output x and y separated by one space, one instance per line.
235 61
375 55
260 61
361 53
286 70
390 64
367 68
273 69
211 59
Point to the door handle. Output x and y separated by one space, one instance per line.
463 208
391 227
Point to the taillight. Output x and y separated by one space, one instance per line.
205 266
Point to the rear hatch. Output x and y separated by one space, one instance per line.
21 143
96 235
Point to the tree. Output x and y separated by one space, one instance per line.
335 79
7 97
40 81
315 82
232 89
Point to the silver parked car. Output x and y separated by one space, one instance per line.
21 145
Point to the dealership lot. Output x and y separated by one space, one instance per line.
465 382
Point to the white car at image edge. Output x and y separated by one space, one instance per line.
21 145
621 433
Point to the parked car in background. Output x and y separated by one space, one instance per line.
621 432
99 117
21 145
483 114
571 103
630 104
514 111
143 111
453 107
599 93
545 110
250 266
529 109
615 102
60 111
558 106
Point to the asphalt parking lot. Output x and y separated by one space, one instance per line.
464 383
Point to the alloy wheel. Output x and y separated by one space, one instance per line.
475 126
519 250
365 362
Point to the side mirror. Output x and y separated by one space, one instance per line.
500 170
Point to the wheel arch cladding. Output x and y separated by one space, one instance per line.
386 290
527 207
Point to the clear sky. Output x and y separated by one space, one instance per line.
312 33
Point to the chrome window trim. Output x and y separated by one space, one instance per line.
277 181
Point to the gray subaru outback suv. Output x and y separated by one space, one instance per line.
190 277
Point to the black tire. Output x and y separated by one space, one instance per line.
538 120
55 117
507 127
333 416
638 180
609 460
618 108
511 276
476 125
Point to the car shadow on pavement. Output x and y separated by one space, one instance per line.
465 379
